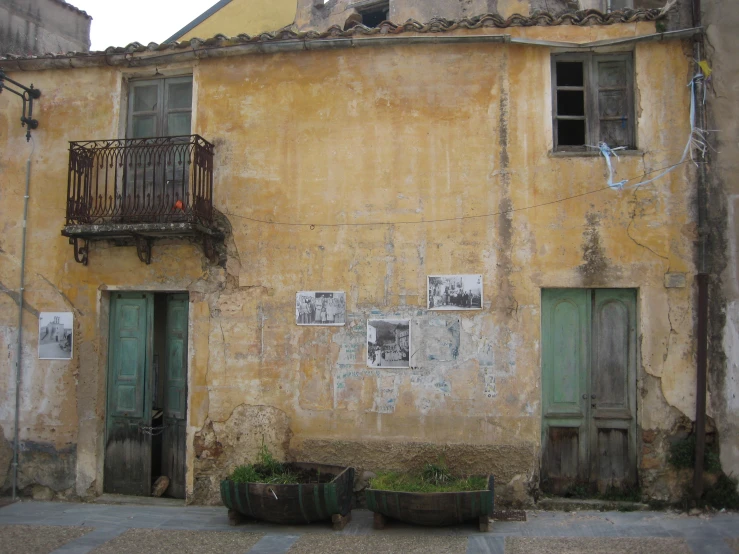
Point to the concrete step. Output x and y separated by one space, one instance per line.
580 504
123 499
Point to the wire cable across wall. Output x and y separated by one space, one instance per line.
464 217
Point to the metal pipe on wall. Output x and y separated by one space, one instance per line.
19 346
702 279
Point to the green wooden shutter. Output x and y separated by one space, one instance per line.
175 392
565 337
128 450
176 370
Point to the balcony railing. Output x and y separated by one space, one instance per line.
152 180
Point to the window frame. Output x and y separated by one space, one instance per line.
163 84
591 89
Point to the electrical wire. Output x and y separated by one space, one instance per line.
448 219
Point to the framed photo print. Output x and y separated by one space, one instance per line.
55 335
454 292
320 308
389 343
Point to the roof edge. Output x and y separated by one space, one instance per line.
198 20
72 8
298 45
436 29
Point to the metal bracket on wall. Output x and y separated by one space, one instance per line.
28 95
80 252
143 248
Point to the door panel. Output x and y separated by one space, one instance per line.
128 450
175 393
565 328
588 388
613 374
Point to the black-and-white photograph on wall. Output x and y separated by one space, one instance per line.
455 292
55 335
389 343
320 308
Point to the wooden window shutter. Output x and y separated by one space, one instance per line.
614 100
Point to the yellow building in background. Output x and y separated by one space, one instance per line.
235 17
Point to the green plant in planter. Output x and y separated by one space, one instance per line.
434 478
266 470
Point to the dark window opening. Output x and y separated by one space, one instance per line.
375 15
569 74
571 102
571 132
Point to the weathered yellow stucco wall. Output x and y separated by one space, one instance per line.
245 16
390 138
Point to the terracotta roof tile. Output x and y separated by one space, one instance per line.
438 25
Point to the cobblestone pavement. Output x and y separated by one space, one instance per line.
66 528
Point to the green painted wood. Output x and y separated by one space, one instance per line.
127 464
565 331
175 394
588 388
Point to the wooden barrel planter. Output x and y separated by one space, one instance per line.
293 504
432 508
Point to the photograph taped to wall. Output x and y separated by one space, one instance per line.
454 292
389 343
55 335
320 308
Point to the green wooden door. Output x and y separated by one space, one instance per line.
588 388
127 449
175 395
565 346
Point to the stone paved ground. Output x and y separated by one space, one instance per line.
62 528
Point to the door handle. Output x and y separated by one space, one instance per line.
592 396
584 396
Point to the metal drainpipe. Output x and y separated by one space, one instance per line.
19 347
702 280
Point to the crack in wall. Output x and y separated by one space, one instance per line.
16 297
64 296
628 232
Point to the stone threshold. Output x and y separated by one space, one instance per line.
579 504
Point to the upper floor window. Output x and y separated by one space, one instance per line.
375 14
369 13
617 5
592 101
160 107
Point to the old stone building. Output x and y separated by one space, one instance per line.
211 180
41 26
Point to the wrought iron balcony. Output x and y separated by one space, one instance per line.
140 189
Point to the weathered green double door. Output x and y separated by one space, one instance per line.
130 395
588 389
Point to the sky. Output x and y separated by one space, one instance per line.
116 23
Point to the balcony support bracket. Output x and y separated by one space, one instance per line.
143 236
80 252
143 248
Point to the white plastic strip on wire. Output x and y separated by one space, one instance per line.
697 140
